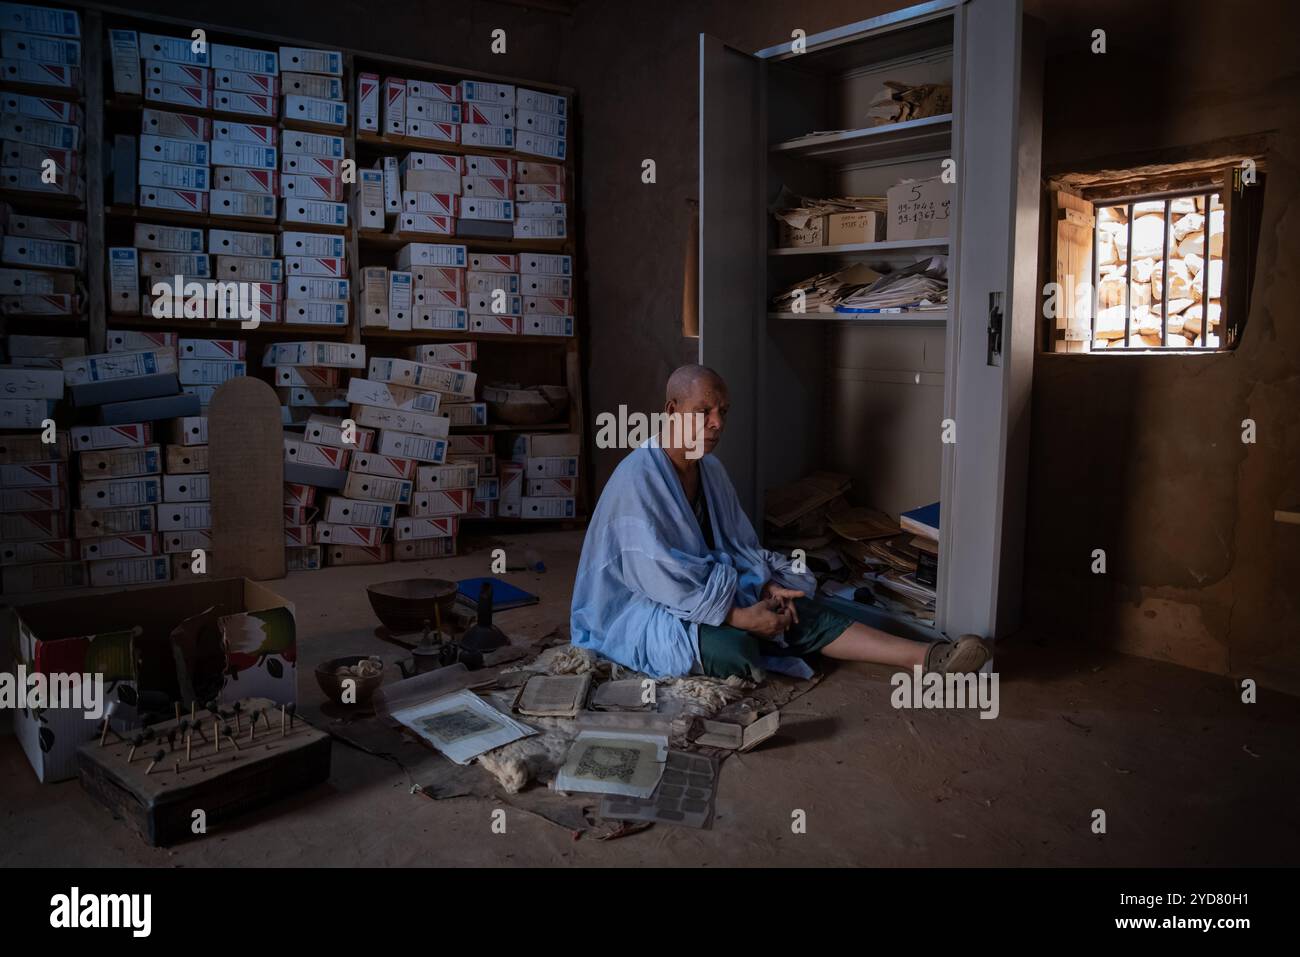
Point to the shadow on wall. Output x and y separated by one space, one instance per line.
1142 456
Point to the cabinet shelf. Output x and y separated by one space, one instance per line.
906 318
895 141
939 245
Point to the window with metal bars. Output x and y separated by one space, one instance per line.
1152 262
1158 272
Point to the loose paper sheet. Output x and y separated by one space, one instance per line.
608 762
462 725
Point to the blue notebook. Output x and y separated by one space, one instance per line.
504 594
922 521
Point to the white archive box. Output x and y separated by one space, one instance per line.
178 516
384 466
422 423
231 242
535 507
124 281
238 81
407 445
377 488
421 376
368 102
319 212
314 85
296 243
437 317
304 60
245 180
369 197
388 396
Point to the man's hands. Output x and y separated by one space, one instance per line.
764 618
785 596
771 615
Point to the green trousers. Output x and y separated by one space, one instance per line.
727 651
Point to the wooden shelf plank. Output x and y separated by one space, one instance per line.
510 427
399 143
452 335
53 205
231 328
176 217
387 241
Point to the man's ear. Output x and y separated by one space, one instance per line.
670 406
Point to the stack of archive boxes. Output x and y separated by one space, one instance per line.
315 117
403 481
170 260
316 455
425 290
43 136
191 163
470 471
43 143
541 129
145 507
528 294
40 263
541 479
36 547
132 387
318 291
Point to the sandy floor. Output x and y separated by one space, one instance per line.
1186 774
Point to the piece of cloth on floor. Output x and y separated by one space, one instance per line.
727 651
647 579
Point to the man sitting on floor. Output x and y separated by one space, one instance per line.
672 579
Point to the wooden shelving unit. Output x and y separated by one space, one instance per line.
522 358
558 357
58 206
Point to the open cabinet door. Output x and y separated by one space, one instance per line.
997 145
733 249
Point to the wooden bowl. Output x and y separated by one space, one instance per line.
403 606
332 684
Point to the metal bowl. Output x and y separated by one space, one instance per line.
405 605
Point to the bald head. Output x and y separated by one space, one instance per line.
698 394
683 382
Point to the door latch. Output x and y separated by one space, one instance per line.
995 329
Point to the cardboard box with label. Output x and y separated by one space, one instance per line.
919 209
811 234
860 226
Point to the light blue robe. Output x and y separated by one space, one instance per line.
647 580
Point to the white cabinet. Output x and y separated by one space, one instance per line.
869 395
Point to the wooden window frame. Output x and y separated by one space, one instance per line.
1074 205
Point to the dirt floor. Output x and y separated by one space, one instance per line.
1186 773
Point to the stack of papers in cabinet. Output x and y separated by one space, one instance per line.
920 286
822 291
